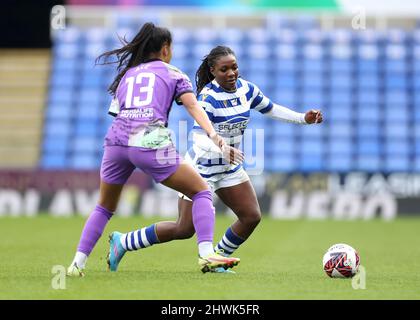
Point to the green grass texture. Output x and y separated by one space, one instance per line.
281 260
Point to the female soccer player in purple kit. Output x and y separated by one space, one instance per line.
143 92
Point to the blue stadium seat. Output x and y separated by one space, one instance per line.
313 98
92 79
283 130
54 161
280 146
286 65
61 95
285 97
181 35
84 161
55 144
311 132
201 50
87 127
340 98
367 130
368 163
231 35
63 79
395 66
311 163
281 164
368 97
262 81
59 112
416 165
338 65
311 81
341 130
58 128
396 130
339 163
340 146
341 80
312 147
286 80
367 66
86 144
369 147
368 113
367 81
396 81
396 97
397 147
312 65
339 113
397 163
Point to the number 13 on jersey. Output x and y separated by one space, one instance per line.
144 84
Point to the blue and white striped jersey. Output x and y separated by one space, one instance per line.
229 113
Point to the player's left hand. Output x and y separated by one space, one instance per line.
313 116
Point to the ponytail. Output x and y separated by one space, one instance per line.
203 76
149 39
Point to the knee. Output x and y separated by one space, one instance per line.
203 193
252 219
108 206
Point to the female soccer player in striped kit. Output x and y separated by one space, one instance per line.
138 138
227 100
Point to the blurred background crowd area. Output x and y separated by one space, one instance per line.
357 62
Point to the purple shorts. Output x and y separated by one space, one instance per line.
119 162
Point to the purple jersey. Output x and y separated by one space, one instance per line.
142 103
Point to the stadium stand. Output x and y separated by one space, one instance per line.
367 84
23 84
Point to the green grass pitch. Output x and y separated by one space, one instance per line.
281 260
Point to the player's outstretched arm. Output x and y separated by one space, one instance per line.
285 114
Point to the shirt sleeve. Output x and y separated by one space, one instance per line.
114 107
285 114
183 85
259 102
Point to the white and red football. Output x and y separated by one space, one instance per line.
341 261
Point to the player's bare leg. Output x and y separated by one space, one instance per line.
243 202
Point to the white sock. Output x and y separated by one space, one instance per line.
80 258
205 248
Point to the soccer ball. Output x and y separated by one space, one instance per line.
341 261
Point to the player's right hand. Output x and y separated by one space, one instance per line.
217 140
233 155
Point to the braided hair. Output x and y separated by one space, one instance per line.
203 75
150 39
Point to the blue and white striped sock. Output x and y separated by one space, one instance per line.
229 243
139 239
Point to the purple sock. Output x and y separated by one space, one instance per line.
93 229
203 215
